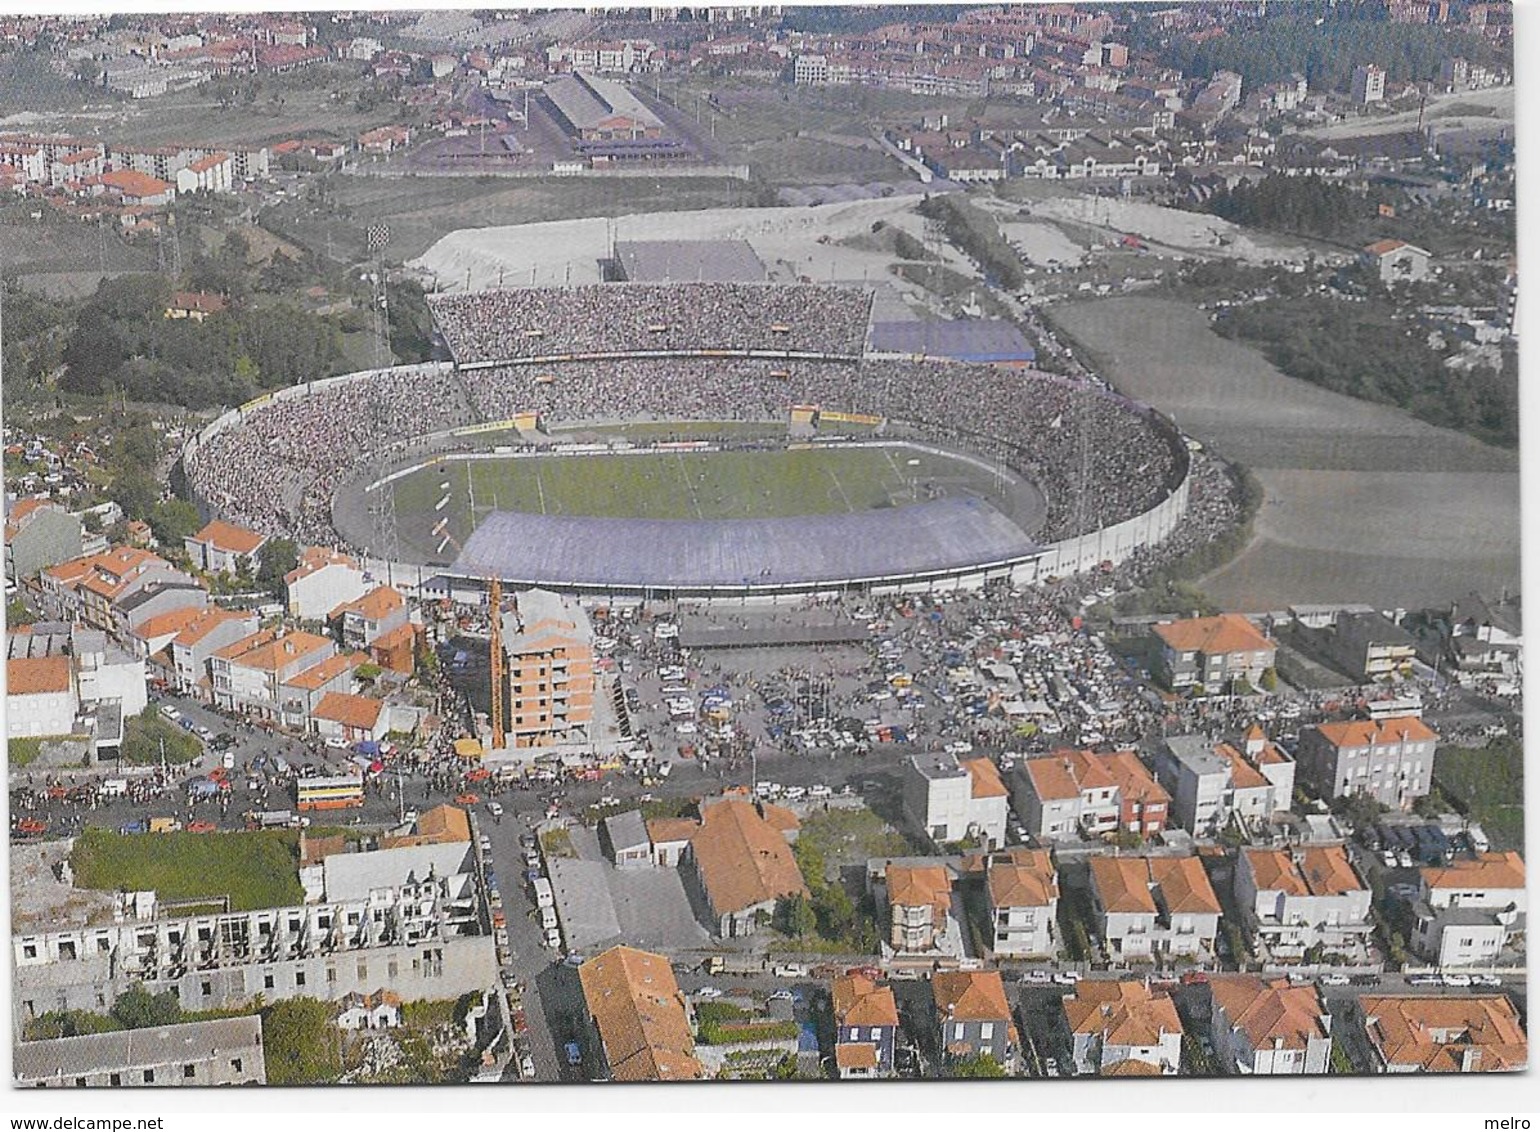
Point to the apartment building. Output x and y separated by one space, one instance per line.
1387 760
1022 889
1149 906
548 646
1297 899
952 799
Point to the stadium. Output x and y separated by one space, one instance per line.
697 439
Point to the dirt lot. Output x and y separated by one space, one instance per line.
1363 503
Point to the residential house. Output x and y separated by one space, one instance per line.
212 174
222 1051
624 839
323 580
380 1010
1081 793
1487 638
1268 1027
354 719
670 839
247 676
1467 1033
152 639
220 547
303 692
1022 889
137 188
89 589
366 619
1369 646
1368 84
132 611
1113 1023
1212 652
1154 906
1467 912
1294 900
195 305
1213 784
741 864
865 1027
211 630
974 1017
1396 261
1388 760
920 909
952 800
40 697
38 533
640 1017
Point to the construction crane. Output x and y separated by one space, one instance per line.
495 605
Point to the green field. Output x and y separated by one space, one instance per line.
255 870
769 483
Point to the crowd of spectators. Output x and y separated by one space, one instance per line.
278 470
609 319
1098 458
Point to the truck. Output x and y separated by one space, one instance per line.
274 819
544 896
114 788
164 825
733 965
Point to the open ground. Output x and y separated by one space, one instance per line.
1362 502
691 485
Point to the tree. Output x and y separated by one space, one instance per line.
92 522
977 1065
279 556
796 916
138 1009
17 613
1269 680
300 1043
135 491
172 520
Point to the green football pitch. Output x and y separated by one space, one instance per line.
755 484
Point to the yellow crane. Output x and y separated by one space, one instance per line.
495 605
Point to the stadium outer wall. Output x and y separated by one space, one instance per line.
1108 546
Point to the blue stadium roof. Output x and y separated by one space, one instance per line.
963 340
938 537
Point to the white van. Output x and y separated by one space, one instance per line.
544 897
548 919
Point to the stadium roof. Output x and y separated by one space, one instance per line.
970 340
689 261
938 537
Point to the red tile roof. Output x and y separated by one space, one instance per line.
1213 636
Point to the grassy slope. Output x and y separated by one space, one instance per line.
256 870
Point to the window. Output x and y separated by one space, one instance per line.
189 1072
331 974
66 949
363 970
149 1076
235 1064
267 982
29 951
986 1030
392 968
115 1079
299 978
80 1082
207 988
855 1033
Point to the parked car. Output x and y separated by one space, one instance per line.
495 809
1456 979
1334 980
574 1053
1425 981
1037 978
1485 981
709 992
1067 978
790 971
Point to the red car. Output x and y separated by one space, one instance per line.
31 827
202 827
467 799
868 972
1194 978
480 774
